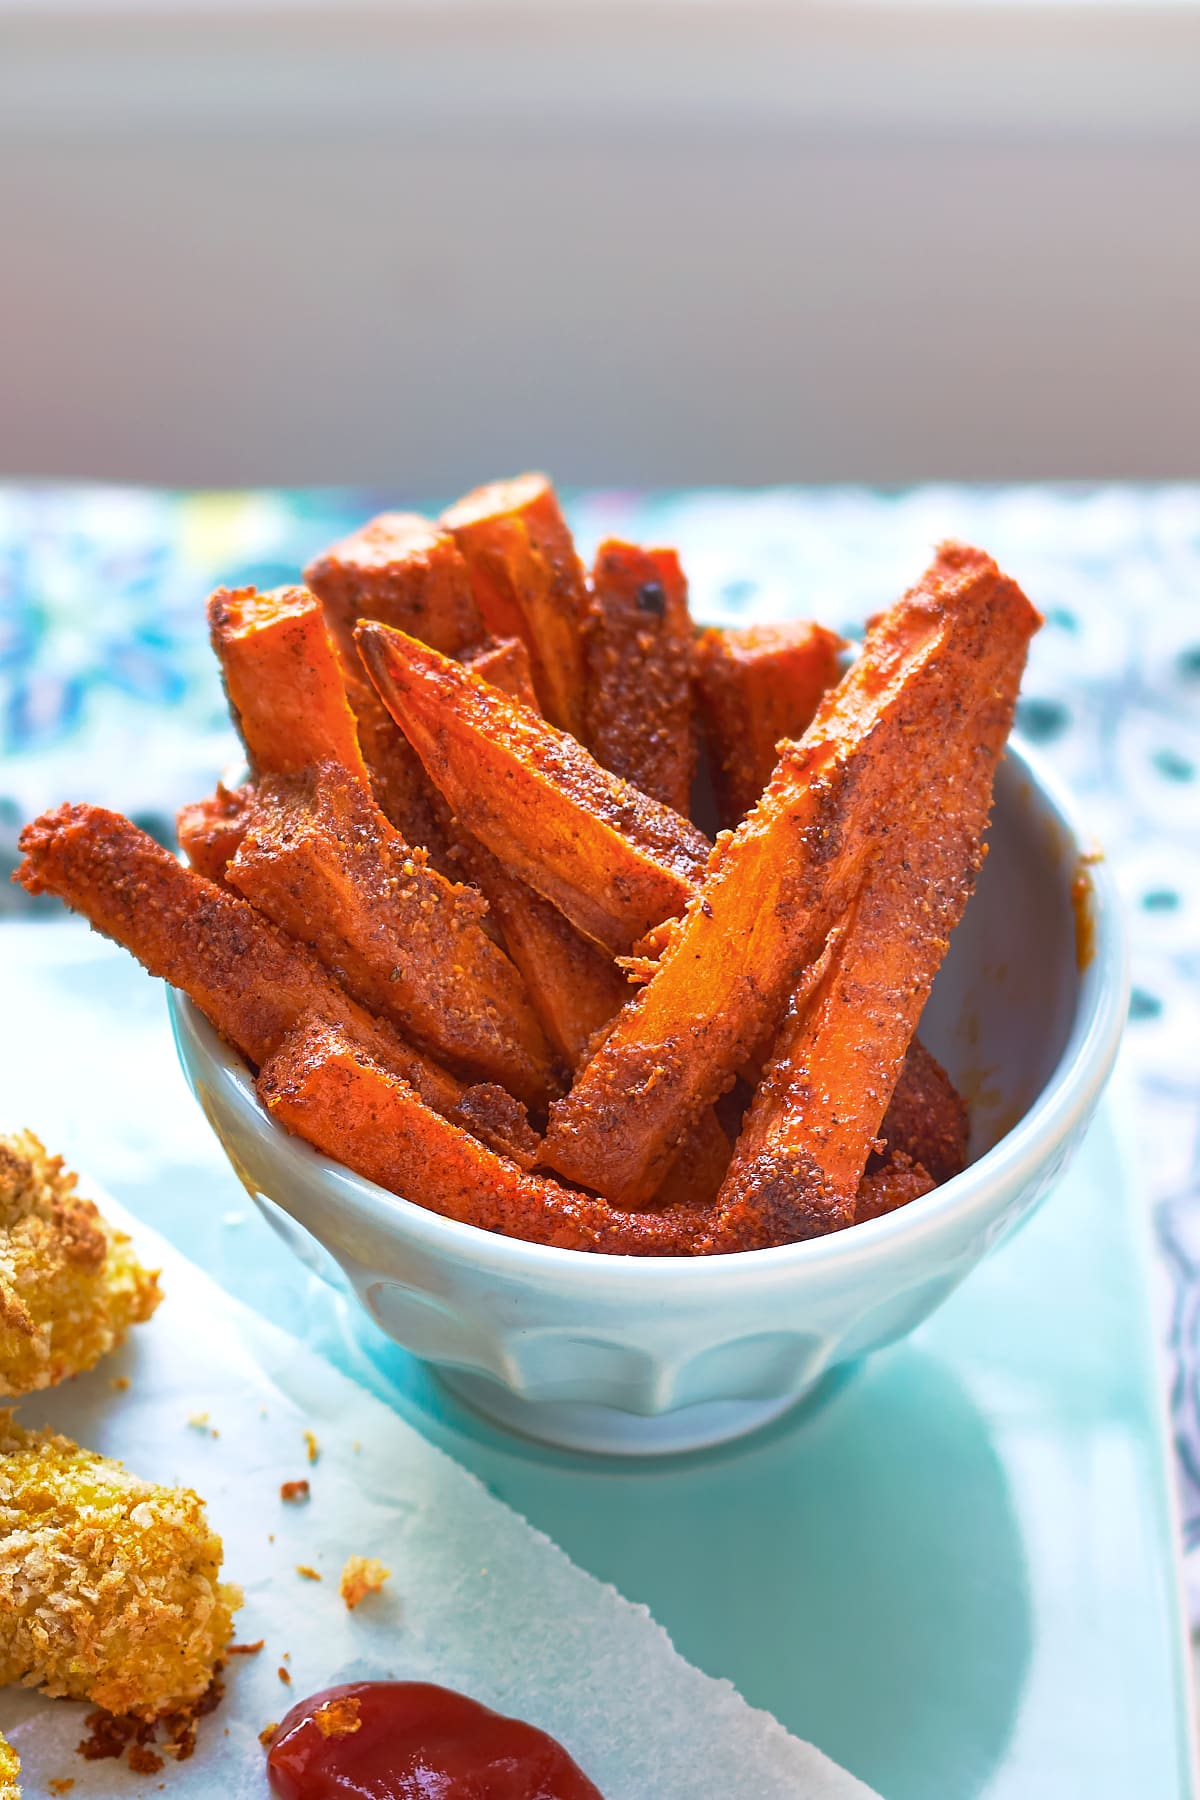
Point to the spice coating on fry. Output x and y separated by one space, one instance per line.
755 687
320 860
529 583
247 977
776 887
639 655
613 860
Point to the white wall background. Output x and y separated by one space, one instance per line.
418 245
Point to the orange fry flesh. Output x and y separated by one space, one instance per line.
775 888
613 860
816 1115
528 583
319 859
504 662
638 654
210 830
251 981
404 571
755 687
576 989
283 679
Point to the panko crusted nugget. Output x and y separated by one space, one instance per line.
70 1285
10 1768
109 1585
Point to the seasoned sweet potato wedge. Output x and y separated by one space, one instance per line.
528 583
504 662
753 688
209 831
613 860
405 571
249 979
319 859
575 987
638 670
325 1088
400 787
283 679
775 888
926 1119
816 1115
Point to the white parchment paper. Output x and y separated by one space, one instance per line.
478 1600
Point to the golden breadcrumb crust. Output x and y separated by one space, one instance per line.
70 1285
10 1768
361 1576
109 1587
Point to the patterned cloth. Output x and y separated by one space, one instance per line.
108 692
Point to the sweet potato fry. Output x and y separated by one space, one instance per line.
283 679
926 1119
209 831
319 859
753 688
528 583
400 787
816 1115
323 1086
244 974
615 861
775 888
401 569
638 670
576 988
504 662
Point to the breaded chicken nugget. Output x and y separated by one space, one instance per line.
109 1587
70 1286
10 1768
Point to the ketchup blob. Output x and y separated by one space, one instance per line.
409 1740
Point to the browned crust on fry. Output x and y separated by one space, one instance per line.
754 687
638 663
816 1116
504 662
319 859
576 988
926 1120
775 889
283 679
248 978
528 583
613 860
210 830
403 570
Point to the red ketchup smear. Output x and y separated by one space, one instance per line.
409 1740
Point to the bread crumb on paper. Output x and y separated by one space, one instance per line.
284 1675
266 1736
244 1649
119 1384
308 1574
294 1491
62 1785
361 1576
312 1446
340 1717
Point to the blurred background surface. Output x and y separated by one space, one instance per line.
676 241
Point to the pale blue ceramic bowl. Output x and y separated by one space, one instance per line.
649 1354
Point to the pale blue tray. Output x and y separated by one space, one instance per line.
956 1571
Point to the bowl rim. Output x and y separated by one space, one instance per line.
1068 1096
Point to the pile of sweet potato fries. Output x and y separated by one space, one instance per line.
461 925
